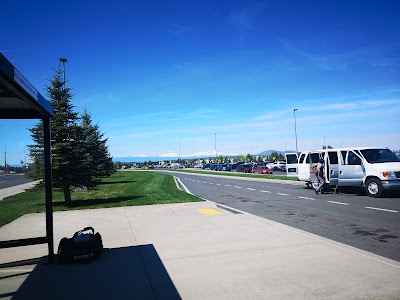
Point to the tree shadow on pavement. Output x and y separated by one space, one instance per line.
135 272
95 202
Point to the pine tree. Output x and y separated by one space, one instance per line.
66 149
66 153
96 157
36 152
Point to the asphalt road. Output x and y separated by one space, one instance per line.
350 217
12 180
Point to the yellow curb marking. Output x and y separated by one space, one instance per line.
209 211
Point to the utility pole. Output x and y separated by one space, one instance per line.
5 159
215 143
295 128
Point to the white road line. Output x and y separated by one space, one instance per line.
184 186
227 185
204 181
306 198
262 191
283 194
382 209
238 187
210 183
334 202
198 181
251 189
218 184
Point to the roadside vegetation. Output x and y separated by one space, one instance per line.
121 189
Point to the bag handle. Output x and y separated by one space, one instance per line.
83 230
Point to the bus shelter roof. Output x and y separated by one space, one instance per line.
18 98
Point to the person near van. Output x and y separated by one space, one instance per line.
320 176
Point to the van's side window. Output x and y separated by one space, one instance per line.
302 158
291 159
353 159
314 157
333 158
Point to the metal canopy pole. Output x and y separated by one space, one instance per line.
48 189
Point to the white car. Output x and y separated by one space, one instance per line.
279 165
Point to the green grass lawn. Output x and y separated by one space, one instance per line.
259 176
121 189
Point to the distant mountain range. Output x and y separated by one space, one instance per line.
268 152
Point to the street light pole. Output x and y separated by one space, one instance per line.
215 146
295 128
63 60
5 159
179 159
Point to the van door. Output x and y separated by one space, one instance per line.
332 168
310 159
351 171
291 164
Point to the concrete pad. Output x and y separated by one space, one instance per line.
175 251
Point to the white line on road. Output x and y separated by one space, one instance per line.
198 181
262 191
306 198
211 183
382 209
227 185
251 189
238 187
283 194
204 181
184 186
334 202
218 184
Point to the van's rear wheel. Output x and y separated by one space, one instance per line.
374 188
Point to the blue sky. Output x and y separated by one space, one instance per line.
162 77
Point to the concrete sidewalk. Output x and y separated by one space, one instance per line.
191 251
13 190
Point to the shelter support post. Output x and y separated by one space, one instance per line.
48 189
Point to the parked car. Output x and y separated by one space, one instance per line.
213 166
279 165
223 167
263 170
244 167
205 166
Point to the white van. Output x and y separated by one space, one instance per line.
377 169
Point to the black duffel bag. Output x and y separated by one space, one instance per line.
83 247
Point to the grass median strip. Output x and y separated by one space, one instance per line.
124 188
259 176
